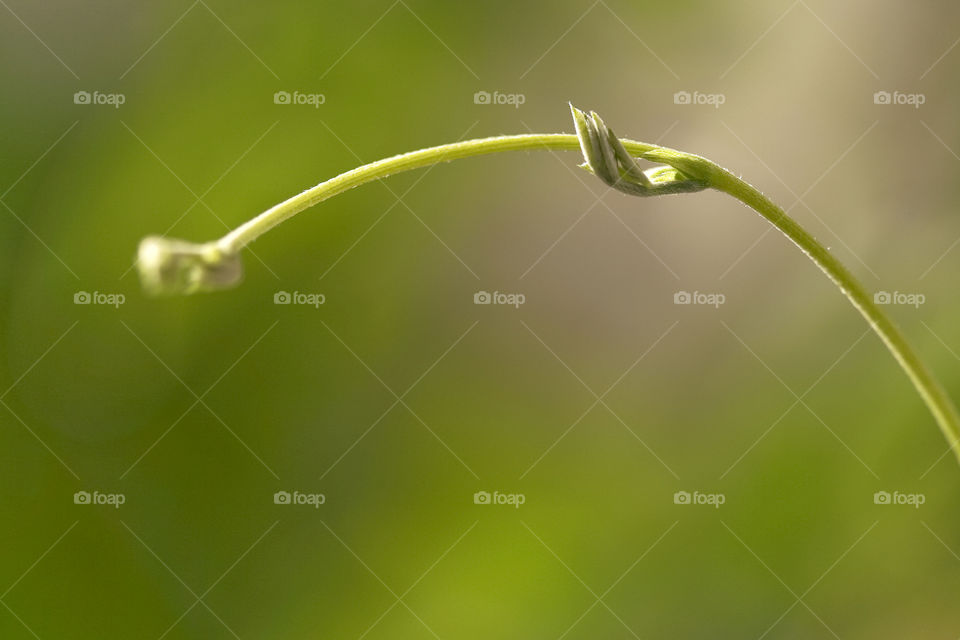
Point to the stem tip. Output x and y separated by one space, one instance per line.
176 267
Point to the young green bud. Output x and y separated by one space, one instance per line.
176 267
605 156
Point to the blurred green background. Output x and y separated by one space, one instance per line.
398 399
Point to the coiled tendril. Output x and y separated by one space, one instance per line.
606 157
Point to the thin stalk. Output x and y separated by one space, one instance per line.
175 266
936 399
253 229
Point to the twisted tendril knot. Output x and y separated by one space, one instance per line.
606 157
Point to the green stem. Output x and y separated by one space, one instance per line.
251 230
933 395
172 266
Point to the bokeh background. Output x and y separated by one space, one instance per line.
399 398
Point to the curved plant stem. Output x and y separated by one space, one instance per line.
251 230
174 266
933 395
